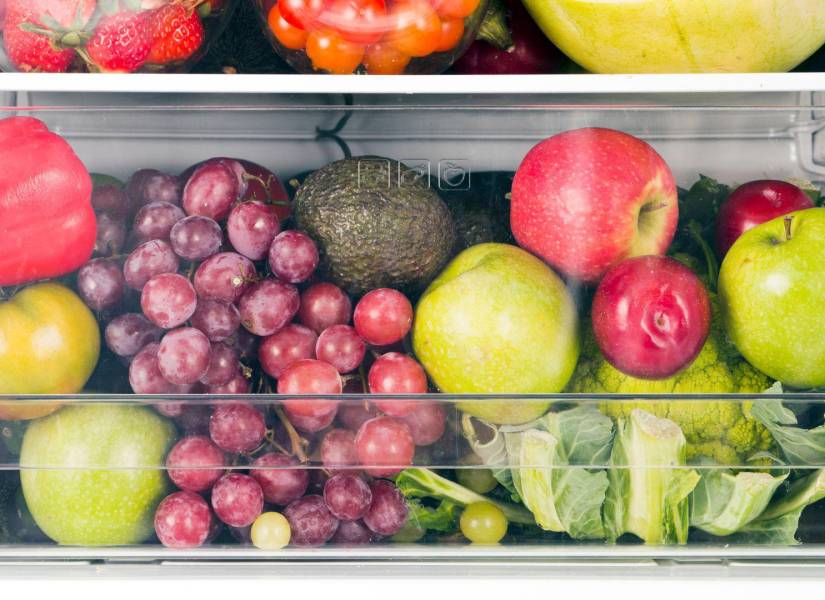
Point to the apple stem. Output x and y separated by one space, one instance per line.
653 206
788 221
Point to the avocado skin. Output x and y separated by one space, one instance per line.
482 213
377 224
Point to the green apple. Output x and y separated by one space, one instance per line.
683 36
772 291
92 475
498 320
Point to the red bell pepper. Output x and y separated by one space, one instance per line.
47 224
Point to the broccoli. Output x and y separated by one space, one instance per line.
719 429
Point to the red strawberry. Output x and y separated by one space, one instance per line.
32 50
120 42
177 33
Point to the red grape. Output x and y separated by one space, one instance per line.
237 427
112 201
237 385
168 300
237 499
155 221
218 320
347 496
281 349
147 260
427 422
145 376
324 305
338 450
244 343
148 185
311 522
388 512
238 169
100 284
211 191
251 227
383 316
293 256
184 355
224 277
352 533
312 423
396 373
279 477
354 414
127 334
195 463
194 419
196 238
110 237
267 306
223 366
341 347
385 445
183 520
310 376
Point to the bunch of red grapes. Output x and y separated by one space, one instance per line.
227 297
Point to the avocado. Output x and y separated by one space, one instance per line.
481 212
377 223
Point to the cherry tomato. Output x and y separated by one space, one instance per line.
290 36
359 21
451 32
329 51
384 59
416 28
301 13
455 9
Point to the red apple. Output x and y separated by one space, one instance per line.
651 316
754 203
585 199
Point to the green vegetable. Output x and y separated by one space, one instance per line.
423 483
724 502
443 517
723 430
799 446
778 524
561 498
488 443
649 481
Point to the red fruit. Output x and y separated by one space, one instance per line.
280 479
302 14
427 422
585 199
396 373
176 33
47 224
290 344
195 463
310 377
120 42
383 317
385 445
754 203
183 520
237 499
651 316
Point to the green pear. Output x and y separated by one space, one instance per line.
498 320
92 475
772 292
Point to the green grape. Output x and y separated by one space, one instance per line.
270 531
410 533
483 523
479 480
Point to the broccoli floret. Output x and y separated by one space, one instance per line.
720 429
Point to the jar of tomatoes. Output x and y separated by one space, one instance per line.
377 37
108 36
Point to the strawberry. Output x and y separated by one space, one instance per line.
177 33
31 29
120 42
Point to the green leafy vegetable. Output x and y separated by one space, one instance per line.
585 435
724 502
443 517
423 483
488 444
649 481
799 446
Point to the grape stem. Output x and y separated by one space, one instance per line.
270 437
296 441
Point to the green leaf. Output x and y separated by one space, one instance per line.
724 502
585 435
799 446
780 531
101 179
493 452
443 518
423 483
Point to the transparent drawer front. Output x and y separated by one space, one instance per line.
395 328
